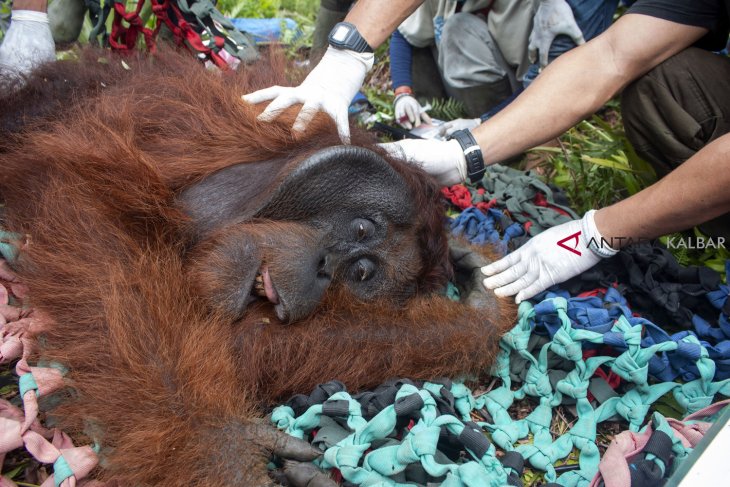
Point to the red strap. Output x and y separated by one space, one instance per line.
485 205
459 195
125 38
541 200
600 291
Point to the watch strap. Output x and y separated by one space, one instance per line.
472 153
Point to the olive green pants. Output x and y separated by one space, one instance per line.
676 109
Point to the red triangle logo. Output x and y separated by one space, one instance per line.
574 248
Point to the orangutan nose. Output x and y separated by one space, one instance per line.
325 267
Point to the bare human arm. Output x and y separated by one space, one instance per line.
580 81
693 193
36 5
377 19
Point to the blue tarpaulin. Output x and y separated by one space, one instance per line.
266 30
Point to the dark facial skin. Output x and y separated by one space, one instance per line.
326 224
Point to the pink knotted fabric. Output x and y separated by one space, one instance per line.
18 328
624 448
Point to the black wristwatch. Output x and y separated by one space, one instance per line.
345 36
472 152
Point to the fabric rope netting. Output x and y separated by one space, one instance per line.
566 340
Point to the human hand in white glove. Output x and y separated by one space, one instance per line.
330 88
27 43
452 126
444 160
553 17
408 112
552 257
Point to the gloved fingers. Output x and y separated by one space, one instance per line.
530 291
306 114
425 118
277 107
576 34
501 264
507 276
446 129
545 50
306 475
401 117
263 95
412 113
394 150
530 275
532 49
341 118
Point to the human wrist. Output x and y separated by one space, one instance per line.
402 91
32 5
30 16
596 242
474 167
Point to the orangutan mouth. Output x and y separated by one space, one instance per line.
264 287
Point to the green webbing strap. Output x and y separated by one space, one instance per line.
8 250
516 190
98 14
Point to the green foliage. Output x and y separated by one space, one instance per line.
447 109
712 257
4 17
266 9
302 8
258 9
595 163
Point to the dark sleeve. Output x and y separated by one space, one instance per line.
699 13
401 59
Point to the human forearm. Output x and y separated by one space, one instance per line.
581 81
691 194
36 5
377 19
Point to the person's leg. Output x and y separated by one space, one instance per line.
676 109
66 18
510 24
427 82
330 13
472 66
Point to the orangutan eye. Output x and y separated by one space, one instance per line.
363 270
362 229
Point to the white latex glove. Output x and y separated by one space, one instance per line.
458 124
543 262
27 43
444 160
330 88
408 112
553 17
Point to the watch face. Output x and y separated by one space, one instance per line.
340 33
